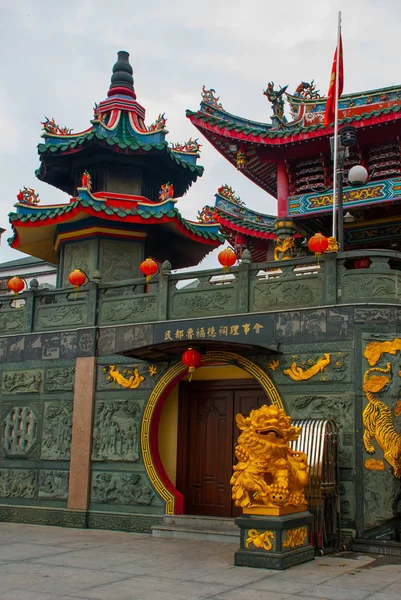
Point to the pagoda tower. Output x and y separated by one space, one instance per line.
123 178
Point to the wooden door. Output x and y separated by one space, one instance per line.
207 436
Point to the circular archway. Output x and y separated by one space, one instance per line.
152 412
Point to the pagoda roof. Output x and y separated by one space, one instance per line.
118 126
37 228
233 217
265 144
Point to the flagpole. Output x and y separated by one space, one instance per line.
336 129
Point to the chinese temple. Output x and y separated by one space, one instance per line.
126 390
291 161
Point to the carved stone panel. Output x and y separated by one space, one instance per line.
140 308
282 294
79 255
53 485
20 431
22 382
12 321
120 260
138 373
359 287
301 369
16 348
380 491
116 431
57 427
120 488
347 502
340 408
60 379
17 483
200 303
63 315
374 315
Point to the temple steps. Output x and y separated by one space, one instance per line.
194 527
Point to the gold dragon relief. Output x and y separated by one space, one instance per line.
129 378
299 373
377 416
269 477
295 537
262 541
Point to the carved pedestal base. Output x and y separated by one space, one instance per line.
269 542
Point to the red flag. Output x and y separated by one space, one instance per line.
329 115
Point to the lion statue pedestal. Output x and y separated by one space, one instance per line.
268 484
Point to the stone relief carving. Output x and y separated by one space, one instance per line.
61 379
53 484
57 427
20 428
371 315
12 321
120 260
120 488
76 256
203 303
366 286
338 407
116 431
381 491
17 483
26 382
133 309
286 293
318 367
66 314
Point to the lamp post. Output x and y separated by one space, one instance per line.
347 138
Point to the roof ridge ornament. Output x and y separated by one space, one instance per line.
275 97
122 81
209 97
50 126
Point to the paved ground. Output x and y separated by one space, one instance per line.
46 563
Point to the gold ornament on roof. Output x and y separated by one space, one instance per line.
269 477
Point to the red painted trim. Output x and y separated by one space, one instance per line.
154 445
283 190
129 218
123 91
222 132
244 230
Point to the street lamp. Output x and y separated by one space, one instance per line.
356 176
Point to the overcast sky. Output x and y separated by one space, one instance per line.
56 60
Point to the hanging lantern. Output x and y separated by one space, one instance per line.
148 268
227 258
362 263
191 359
77 278
318 244
16 285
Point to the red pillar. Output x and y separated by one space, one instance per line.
283 190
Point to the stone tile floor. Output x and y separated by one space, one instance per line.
48 563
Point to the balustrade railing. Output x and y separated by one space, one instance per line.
354 277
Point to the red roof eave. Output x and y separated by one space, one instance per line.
289 139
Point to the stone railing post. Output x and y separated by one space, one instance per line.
29 298
330 278
165 271
242 282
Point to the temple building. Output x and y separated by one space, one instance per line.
120 387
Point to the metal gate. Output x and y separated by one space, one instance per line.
319 442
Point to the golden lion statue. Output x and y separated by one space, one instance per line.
269 477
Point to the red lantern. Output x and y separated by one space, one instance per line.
362 263
191 359
16 285
227 258
77 278
318 244
148 268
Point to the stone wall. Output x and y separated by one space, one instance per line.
37 375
